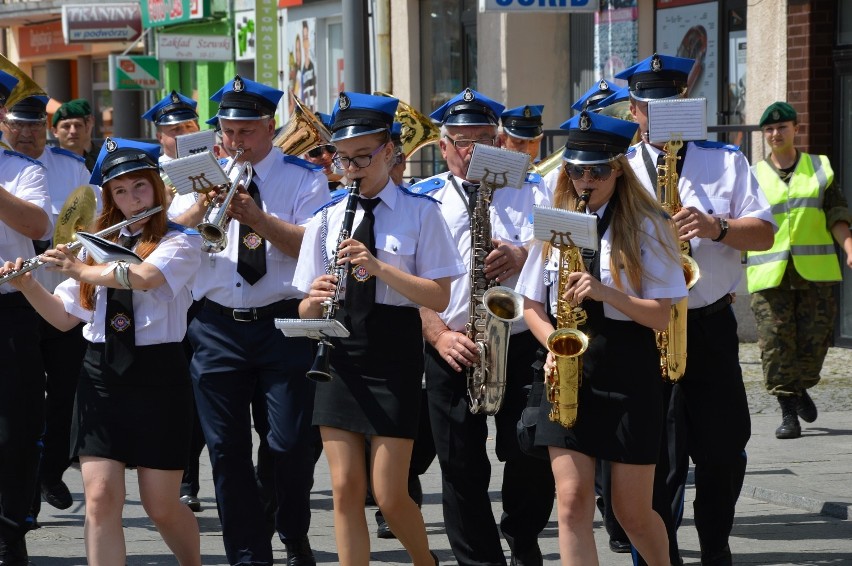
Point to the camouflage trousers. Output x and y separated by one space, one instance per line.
794 328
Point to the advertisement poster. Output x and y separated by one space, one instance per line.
301 63
693 32
616 39
244 35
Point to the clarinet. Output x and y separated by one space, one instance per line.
320 371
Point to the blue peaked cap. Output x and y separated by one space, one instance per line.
396 131
325 119
593 97
468 108
7 83
173 109
30 109
595 138
244 99
356 114
119 156
523 122
658 76
620 95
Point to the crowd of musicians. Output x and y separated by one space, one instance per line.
145 362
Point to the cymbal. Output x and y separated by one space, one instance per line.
78 213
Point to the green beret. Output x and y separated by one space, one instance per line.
778 112
77 108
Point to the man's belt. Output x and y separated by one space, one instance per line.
712 308
283 308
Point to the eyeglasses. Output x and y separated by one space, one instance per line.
596 172
317 151
465 144
359 161
17 126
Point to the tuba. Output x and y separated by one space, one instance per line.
25 88
491 312
566 343
302 132
671 342
418 130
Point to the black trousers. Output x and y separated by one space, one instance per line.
21 414
460 442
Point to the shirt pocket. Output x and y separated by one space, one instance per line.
396 250
719 207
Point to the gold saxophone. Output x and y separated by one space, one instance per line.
566 343
671 342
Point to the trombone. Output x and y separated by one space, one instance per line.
214 226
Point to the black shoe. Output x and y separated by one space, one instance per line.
192 502
790 427
721 557
619 546
383 530
14 553
299 553
806 408
57 495
530 556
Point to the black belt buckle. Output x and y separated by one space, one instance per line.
244 315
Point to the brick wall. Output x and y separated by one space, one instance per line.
811 32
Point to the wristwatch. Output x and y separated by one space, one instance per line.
723 230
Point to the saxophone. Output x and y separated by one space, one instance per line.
491 312
671 342
566 343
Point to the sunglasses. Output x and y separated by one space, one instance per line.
317 151
596 172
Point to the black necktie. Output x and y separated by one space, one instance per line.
361 285
251 258
120 340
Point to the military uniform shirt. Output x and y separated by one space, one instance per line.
289 192
718 181
410 235
159 314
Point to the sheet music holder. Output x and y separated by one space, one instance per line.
677 118
565 227
105 251
199 173
316 328
196 142
498 166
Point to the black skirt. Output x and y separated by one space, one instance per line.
142 418
376 378
620 412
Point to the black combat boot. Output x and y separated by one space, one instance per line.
789 420
805 408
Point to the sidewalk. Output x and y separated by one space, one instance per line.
794 509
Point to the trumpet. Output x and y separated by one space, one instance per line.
36 262
214 226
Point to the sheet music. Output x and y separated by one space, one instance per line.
196 142
498 166
105 251
315 328
199 172
684 118
582 229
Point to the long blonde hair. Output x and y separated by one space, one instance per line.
635 205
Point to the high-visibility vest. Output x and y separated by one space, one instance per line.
802 234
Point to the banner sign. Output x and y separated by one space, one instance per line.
134 72
90 23
520 6
266 42
179 47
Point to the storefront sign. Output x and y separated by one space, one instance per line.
134 72
156 13
266 42
89 23
539 5
174 47
44 39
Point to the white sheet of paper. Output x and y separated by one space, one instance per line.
315 328
555 222
196 142
684 118
497 166
105 251
198 172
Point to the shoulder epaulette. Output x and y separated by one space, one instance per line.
632 149
301 162
533 178
222 162
408 192
338 192
427 185
707 144
67 153
337 196
181 228
22 156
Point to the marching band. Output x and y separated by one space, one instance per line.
394 281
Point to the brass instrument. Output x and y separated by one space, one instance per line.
566 343
35 262
25 88
418 130
214 226
671 342
302 132
491 312
549 163
320 371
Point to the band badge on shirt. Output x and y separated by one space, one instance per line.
120 322
252 241
360 273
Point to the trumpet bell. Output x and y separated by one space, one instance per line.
77 214
25 88
418 130
302 132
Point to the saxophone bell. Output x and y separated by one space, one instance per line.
566 345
